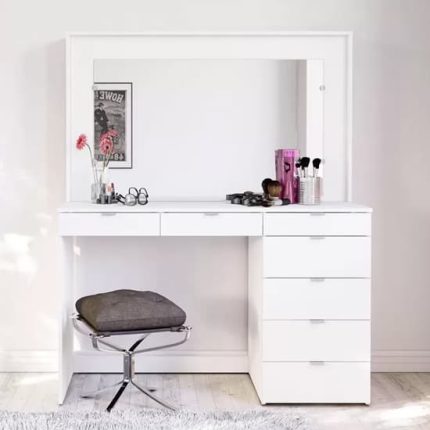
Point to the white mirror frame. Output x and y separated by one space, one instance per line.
329 105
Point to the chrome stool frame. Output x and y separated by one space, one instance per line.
98 339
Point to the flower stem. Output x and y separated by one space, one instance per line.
108 159
93 167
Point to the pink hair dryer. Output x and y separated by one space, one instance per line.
285 160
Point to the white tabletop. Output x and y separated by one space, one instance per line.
210 206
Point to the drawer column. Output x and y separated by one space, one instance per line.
309 308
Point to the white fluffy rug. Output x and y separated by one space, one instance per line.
151 419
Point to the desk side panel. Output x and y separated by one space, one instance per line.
255 311
67 266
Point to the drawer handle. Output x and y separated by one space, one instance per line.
317 279
317 214
317 321
316 363
108 213
211 213
317 237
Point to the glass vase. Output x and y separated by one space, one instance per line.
98 188
95 192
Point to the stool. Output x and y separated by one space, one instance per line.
128 312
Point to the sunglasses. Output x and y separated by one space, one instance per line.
134 197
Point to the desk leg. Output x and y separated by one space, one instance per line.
67 274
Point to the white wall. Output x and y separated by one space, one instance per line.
196 121
207 277
391 135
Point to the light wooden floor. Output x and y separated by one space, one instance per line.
399 400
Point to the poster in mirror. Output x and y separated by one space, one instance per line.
113 112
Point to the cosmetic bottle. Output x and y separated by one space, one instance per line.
286 173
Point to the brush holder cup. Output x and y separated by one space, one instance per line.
310 191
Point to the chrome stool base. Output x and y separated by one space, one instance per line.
128 360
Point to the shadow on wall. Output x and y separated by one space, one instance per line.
391 112
56 125
33 177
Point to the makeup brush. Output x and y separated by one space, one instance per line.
274 189
298 168
316 163
305 164
265 185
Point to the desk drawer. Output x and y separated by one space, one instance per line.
317 223
316 340
211 224
316 383
316 298
319 256
109 224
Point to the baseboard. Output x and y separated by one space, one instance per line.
401 361
189 361
165 362
29 361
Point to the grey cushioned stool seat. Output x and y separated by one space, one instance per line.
129 310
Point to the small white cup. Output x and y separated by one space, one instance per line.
310 191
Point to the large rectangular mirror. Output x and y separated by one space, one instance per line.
199 129
210 110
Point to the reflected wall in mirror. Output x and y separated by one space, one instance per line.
206 128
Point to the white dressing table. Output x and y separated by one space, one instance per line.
309 288
308 267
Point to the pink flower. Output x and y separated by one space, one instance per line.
81 142
105 144
112 133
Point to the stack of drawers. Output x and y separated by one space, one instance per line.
309 308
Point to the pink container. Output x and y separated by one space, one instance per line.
286 174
